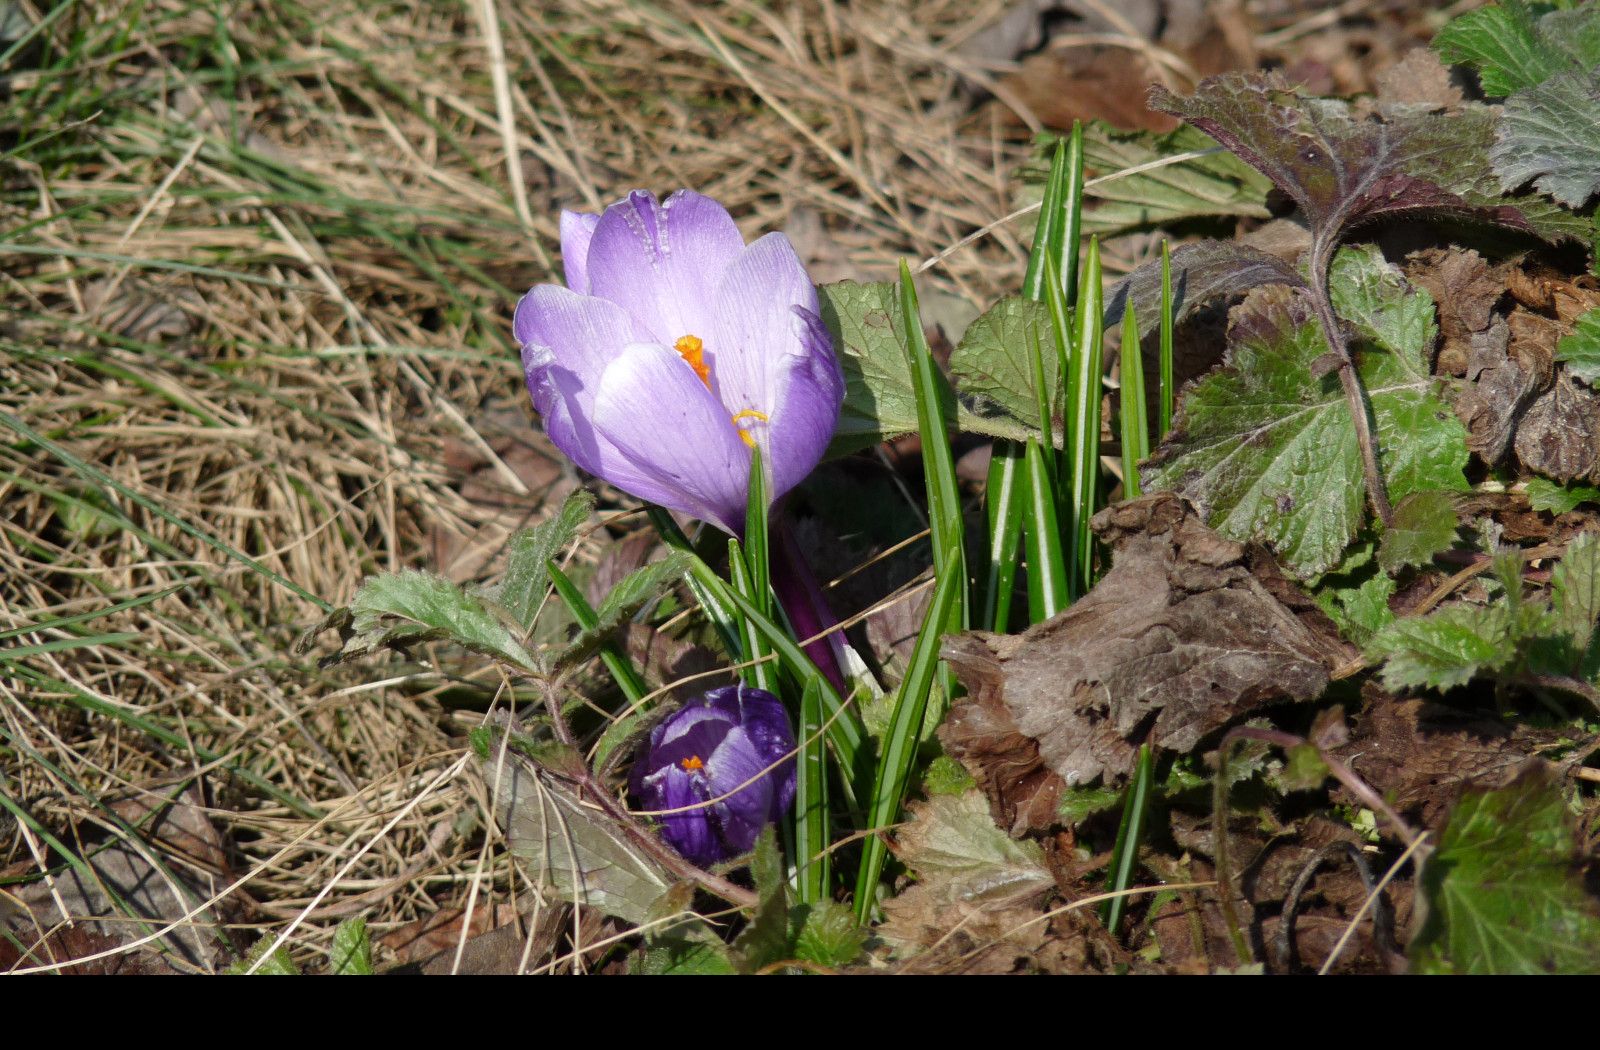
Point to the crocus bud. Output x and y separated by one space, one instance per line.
718 745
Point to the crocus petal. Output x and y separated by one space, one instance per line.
577 230
674 435
810 389
774 356
736 767
766 725
690 832
663 260
579 333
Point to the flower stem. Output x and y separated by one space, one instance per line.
808 612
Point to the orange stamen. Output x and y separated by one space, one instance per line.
744 435
693 762
694 352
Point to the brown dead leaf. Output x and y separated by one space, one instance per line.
1421 755
440 931
1539 286
1419 78
1508 364
1174 642
181 826
24 950
1465 290
1559 434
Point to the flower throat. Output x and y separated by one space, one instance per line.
693 350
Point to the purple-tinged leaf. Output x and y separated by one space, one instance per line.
1200 273
1339 170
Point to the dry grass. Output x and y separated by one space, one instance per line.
254 322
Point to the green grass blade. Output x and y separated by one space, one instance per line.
724 620
17 652
67 621
1083 409
103 481
900 744
755 537
762 675
1060 321
1047 566
1168 394
1135 427
1049 235
621 668
1074 209
1125 855
1006 498
845 733
944 493
814 864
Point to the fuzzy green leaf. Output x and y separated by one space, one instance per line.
1551 134
765 938
352 949
992 360
1581 349
409 607
1575 594
1445 649
626 598
827 934
1424 524
1266 447
1215 184
880 400
954 837
522 590
1361 610
1544 494
1503 892
1511 50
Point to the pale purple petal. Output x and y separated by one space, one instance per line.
662 261
669 428
756 325
577 230
581 333
809 390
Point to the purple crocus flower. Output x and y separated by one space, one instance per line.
707 749
675 349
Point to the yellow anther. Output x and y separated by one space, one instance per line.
694 351
744 435
692 763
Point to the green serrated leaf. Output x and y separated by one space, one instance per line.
946 776
522 590
1544 494
955 837
1360 611
1079 803
1305 770
1551 134
1445 649
827 934
992 360
626 598
352 949
409 607
765 938
880 399
1581 349
278 964
1511 50
682 956
1266 446
1503 892
1575 593
1215 184
1424 524
566 842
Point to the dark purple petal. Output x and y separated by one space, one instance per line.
695 746
654 409
766 726
577 230
662 261
691 832
735 769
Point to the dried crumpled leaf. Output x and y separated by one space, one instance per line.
1177 639
1421 755
1465 290
1508 364
975 903
1559 435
